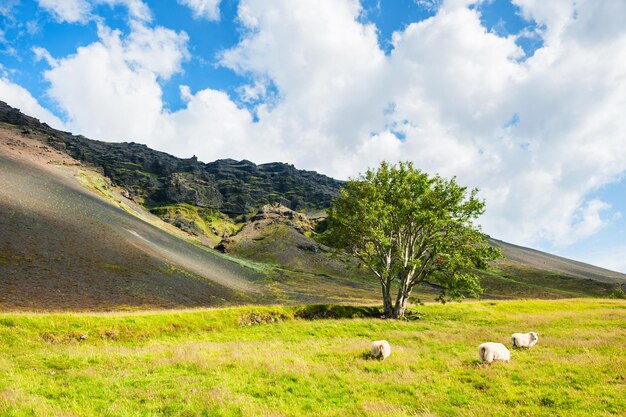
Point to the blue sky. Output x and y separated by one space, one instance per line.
517 97
207 38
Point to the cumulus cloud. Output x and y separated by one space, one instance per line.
203 9
328 71
109 89
210 124
19 97
537 134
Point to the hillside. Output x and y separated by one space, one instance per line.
70 240
60 245
531 258
87 224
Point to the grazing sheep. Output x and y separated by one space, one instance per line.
381 349
490 352
525 340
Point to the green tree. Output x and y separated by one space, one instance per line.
410 228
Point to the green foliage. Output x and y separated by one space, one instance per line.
411 228
618 293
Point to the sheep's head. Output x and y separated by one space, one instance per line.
533 336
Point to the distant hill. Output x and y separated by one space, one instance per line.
531 258
90 225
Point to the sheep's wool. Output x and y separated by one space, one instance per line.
381 349
526 340
489 352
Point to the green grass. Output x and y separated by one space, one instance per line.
267 361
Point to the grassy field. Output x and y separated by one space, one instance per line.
269 361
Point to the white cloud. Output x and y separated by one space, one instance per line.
80 11
443 98
137 9
71 11
590 220
211 124
249 93
19 97
160 51
110 89
430 5
203 9
328 71
43 54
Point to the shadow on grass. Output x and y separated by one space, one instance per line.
333 311
366 355
474 363
330 311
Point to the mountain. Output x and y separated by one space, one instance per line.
157 178
70 238
94 225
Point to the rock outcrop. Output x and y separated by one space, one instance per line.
157 178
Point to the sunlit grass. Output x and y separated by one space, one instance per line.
217 362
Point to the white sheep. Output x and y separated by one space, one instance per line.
381 349
525 340
490 352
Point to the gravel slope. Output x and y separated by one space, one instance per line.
540 260
63 246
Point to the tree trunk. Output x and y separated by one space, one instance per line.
387 306
401 301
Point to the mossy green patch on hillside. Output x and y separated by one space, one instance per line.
100 185
96 183
196 220
267 361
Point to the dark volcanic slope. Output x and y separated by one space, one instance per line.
62 247
551 263
230 186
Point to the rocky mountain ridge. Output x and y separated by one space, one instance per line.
156 178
